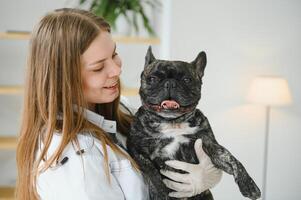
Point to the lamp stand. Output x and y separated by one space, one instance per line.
266 145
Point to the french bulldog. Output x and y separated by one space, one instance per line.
168 123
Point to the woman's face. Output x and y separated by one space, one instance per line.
101 71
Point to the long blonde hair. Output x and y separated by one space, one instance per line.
53 85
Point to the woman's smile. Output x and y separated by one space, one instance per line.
113 87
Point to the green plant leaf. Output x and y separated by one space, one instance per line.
146 22
101 7
82 1
110 10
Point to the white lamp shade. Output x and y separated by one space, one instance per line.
269 90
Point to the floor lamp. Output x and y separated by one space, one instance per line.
268 91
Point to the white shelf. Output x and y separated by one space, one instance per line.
11 90
7 193
8 143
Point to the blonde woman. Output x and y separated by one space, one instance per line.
72 136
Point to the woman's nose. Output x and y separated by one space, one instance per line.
115 69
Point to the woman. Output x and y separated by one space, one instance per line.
72 131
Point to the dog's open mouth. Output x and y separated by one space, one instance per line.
170 105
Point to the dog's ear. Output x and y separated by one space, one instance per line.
200 63
149 58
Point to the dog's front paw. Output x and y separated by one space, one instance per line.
248 187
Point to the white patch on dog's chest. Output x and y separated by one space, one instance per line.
177 132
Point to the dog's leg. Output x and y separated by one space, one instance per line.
224 160
152 176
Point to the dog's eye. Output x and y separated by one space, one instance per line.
187 80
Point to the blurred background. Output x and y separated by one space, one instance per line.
243 39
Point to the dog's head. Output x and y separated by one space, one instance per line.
171 88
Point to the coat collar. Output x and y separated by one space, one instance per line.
107 125
98 120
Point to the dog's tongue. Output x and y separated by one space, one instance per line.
170 104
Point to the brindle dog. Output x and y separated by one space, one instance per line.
167 125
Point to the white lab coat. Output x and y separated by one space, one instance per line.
83 177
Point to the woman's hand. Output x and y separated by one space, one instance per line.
199 177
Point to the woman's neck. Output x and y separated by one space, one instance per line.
92 107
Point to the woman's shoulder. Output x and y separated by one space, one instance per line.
83 141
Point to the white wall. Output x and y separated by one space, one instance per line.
243 39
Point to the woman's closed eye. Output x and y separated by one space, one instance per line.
99 68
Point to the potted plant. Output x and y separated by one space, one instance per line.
131 10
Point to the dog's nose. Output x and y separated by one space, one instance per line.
170 84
